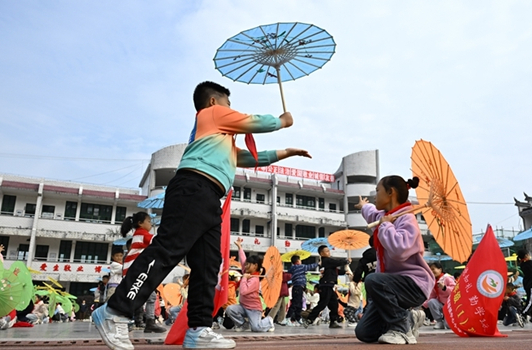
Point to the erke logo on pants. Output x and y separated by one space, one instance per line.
132 294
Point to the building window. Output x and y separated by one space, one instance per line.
278 200
70 210
332 206
41 252
95 212
305 201
235 225
236 193
260 198
48 211
65 247
259 230
321 232
321 203
4 240
8 204
89 252
22 253
289 199
303 231
288 230
81 288
120 214
29 210
247 194
245 225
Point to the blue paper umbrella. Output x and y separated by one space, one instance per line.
155 202
313 244
503 242
274 53
524 235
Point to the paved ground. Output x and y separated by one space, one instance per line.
83 335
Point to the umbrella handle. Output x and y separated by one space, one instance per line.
412 210
281 88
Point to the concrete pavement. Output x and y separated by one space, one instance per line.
84 334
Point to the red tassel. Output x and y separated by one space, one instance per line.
252 147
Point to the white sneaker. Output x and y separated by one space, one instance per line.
439 325
419 318
113 328
205 338
272 326
284 322
215 325
243 327
353 324
395 337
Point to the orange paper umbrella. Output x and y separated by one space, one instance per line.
172 293
444 208
349 239
273 276
303 254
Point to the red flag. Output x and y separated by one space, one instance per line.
176 335
252 147
472 307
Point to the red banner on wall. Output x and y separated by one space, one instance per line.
472 307
305 174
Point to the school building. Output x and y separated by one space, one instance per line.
66 230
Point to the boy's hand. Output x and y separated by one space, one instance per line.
286 120
291 152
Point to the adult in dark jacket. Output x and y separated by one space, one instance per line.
523 258
328 296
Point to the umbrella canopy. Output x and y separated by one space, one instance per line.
437 257
445 209
121 241
234 264
349 239
155 202
172 293
303 254
11 290
313 244
23 275
503 242
274 53
273 276
524 235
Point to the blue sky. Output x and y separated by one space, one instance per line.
89 89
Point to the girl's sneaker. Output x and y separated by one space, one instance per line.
284 322
205 338
244 327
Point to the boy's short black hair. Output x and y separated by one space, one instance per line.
321 247
521 253
294 259
204 91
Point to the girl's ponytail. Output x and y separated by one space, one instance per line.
132 222
127 226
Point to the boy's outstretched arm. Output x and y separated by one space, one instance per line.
291 152
245 159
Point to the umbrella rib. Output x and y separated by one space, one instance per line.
266 36
312 58
288 70
250 68
310 64
254 40
297 35
256 72
242 63
240 42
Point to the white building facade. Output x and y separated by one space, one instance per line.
65 230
